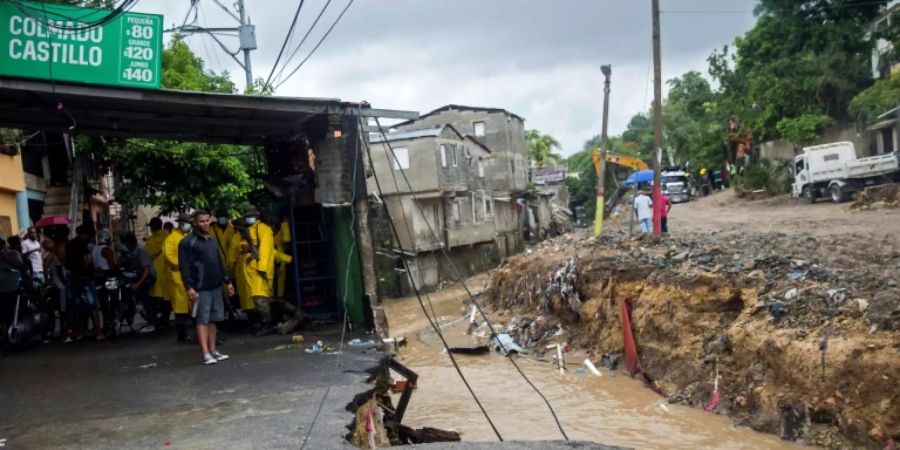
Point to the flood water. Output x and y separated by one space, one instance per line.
609 410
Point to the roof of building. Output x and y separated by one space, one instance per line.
451 107
475 141
161 114
412 134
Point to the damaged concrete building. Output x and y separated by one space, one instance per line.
467 167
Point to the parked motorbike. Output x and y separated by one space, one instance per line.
121 306
33 319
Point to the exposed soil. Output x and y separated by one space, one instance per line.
795 306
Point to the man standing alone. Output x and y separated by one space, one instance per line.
643 211
203 275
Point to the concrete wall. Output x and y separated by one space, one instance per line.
422 171
866 143
12 181
334 171
504 136
472 227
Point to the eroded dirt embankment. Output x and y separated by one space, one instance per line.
807 345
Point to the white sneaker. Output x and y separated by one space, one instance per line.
209 359
218 356
148 329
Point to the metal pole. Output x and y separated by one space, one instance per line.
295 261
604 145
657 123
248 72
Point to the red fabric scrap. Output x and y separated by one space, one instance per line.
632 363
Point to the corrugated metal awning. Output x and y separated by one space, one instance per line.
881 125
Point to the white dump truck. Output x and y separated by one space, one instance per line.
834 170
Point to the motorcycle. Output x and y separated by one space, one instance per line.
121 306
33 319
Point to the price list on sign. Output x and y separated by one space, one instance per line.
139 62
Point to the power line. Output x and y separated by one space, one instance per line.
56 25
460 279
297 48
287 38
318 44
434 326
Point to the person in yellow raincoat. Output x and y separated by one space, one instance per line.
154 249
257 252
282 259
235 264
223 231
176 292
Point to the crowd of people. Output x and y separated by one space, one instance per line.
199 269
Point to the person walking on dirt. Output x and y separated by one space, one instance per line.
203 277
644 211
664 212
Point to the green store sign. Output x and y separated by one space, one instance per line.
57 42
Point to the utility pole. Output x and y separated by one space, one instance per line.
245 32
604 146
657 123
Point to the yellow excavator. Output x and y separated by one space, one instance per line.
631 162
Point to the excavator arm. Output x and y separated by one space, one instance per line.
622 160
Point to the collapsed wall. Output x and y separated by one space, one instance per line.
805 340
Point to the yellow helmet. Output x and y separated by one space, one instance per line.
703 171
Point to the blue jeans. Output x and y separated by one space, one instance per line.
646 226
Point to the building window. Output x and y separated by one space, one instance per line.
454 155
474 213
400 160
454 212
443 155
480 169
478 129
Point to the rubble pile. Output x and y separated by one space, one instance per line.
804 332
887 196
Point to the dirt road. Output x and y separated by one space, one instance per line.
725 212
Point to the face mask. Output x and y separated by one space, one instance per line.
223 221
186 227
251 220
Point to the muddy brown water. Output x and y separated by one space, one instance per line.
610 410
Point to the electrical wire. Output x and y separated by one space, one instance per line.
87 26
434 326
313 51
315 418
297 48
460 279
284 44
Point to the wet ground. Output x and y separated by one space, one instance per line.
97 395
610 410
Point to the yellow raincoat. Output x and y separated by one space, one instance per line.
154 248
236 262
282 241
262 238
176 292
223 237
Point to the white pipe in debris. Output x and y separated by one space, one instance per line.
592 367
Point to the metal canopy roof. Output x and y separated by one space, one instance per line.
163 114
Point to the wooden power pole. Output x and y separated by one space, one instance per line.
604 146
657 124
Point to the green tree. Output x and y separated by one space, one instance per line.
801 58
175 175
540 149
881 97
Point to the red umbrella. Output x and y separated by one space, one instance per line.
50 221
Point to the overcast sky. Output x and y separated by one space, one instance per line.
538 59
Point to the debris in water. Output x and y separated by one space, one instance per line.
357 343
297 338
318 347
474 350
505 344
148 366
590 365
